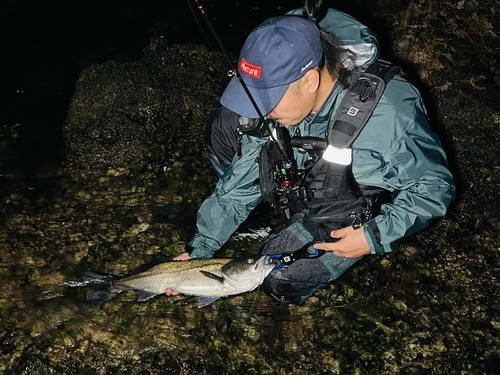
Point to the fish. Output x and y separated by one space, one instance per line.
209 279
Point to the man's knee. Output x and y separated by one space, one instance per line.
297 281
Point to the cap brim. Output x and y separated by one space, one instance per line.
236 99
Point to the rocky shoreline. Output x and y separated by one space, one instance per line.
136 171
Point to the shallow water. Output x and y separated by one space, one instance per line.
52 321
431 308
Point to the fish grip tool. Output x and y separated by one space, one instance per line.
305 252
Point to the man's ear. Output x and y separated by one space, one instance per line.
312 80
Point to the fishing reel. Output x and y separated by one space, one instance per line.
256 127
285 175
285 172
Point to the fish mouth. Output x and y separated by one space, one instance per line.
251 277
263 263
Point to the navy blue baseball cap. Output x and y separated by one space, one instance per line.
278 52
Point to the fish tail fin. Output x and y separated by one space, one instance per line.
102 288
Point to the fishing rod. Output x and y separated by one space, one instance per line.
209 43
234 72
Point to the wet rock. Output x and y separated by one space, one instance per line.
30 365
471 5
128 116
497 78
404 43
431 308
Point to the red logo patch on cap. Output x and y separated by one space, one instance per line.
249 69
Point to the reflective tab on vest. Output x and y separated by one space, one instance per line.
342 156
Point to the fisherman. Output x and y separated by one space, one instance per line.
390 182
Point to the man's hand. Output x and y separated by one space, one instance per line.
352 243
183 256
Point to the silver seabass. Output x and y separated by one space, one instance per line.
209 279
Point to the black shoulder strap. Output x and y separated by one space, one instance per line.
359 103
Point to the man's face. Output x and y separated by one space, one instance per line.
295 105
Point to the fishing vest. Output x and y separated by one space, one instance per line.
326 192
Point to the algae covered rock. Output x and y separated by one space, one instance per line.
137 171
132 115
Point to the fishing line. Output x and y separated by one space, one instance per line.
255 299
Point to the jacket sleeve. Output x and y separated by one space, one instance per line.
398 151
235 196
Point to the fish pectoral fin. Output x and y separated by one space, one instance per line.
213 276
207 300
143 295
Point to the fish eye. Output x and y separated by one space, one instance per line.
250 261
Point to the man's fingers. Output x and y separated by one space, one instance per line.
325 246
330 243
183 256
339 233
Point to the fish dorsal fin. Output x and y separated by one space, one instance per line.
213 276
143 295
207 300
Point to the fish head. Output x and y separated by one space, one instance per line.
247 274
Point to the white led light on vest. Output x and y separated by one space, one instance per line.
275 134
342 156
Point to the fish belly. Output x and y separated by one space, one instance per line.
194 283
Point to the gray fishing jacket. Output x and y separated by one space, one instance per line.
396 151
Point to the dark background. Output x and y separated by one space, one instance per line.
46 44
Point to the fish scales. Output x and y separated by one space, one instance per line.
209 278
185 277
